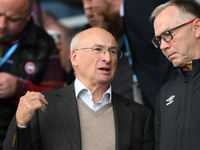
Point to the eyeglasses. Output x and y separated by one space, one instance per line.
99 50
167 35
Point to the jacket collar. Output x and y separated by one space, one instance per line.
67 105
30 35
67 109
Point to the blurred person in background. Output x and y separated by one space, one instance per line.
62 8
122 83
28 58
62 37
149 64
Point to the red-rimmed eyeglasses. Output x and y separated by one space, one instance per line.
167 35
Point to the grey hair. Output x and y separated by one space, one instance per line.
189 8
73 45
75 41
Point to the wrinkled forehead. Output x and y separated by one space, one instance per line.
100 3
167 19
15 7
98 38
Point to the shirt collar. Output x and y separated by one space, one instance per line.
81 90
79 86
122 8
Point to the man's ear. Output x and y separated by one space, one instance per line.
196 26
28 17
29 14
73 57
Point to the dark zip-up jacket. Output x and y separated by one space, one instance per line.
177 120
35 46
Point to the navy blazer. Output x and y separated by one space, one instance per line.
152 68
58 128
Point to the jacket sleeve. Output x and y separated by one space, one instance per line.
53 79
148 135
23 138
157 124
16 138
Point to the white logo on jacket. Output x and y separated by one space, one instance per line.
170 100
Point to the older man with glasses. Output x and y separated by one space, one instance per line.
87 114
177 34
167 35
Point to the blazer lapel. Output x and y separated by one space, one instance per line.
68 111
123 121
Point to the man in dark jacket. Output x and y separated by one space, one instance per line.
150 65
85 115
177 34
25 62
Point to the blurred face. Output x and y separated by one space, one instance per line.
91 67
96 18
14 15
61 38
109 9
180 50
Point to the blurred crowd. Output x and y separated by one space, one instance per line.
35 49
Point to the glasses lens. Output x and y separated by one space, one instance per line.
100 49
113 51
119 54
156 42
166 36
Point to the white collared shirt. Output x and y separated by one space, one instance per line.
122 9
85 94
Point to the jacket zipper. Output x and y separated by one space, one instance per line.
184 115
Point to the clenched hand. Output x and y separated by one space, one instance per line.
7 84
28 105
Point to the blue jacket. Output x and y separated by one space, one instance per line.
152 68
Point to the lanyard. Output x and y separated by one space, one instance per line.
129 55
1 50
128 50
8 54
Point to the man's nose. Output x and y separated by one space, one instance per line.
3 22
106 55
164 45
